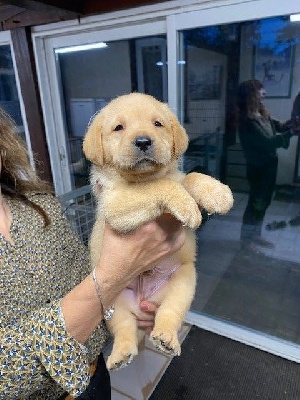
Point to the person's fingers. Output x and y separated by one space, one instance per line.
148 306
145 317
174 229
169 223
146 326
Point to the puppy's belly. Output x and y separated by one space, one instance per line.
148 286
129 300
148 283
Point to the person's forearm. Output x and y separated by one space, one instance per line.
82 310
39 342
281 126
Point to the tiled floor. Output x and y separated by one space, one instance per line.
218 244
259 291
222 234
287 239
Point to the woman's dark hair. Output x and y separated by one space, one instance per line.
248 101
17 177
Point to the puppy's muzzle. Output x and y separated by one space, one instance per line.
143 143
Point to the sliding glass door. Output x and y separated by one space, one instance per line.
195 57
88 71
248 287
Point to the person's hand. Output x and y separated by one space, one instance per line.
295 126
125 256
145 319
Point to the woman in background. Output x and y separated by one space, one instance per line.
51 316
260 137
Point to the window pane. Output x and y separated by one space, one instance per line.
90 78
248 263
9 99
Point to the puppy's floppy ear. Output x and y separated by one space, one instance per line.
180 137
92 143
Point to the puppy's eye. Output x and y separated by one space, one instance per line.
157 123
119 128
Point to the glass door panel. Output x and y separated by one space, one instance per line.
9 98
90 76
249 260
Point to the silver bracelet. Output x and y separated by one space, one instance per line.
107 312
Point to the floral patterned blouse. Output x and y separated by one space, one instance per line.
38 358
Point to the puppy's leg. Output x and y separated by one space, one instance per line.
96 240
123 326
179 293
209 193
141 204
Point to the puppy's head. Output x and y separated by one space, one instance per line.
135 133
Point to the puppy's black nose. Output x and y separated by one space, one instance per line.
143 142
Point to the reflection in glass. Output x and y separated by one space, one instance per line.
90 78
9 99
256 287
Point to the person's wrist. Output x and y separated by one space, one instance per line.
82 310
112 278
108 310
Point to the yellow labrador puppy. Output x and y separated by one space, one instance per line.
134 144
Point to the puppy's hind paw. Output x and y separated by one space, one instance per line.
119 364
121 357
166 343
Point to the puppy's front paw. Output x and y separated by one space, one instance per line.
121 356
188 213
166 342
218 198
209 193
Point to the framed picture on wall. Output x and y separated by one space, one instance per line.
273 67
205 82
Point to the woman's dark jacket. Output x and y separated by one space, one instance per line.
259 139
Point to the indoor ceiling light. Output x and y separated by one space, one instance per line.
71 49
295 17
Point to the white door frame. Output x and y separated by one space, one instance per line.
147 42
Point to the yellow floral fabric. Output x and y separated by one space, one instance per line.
38 359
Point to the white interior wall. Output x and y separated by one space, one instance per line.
83 72
205 116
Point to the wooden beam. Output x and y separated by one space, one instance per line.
7 12
32 18
99 6
30 13
70 5
46 6
22 47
